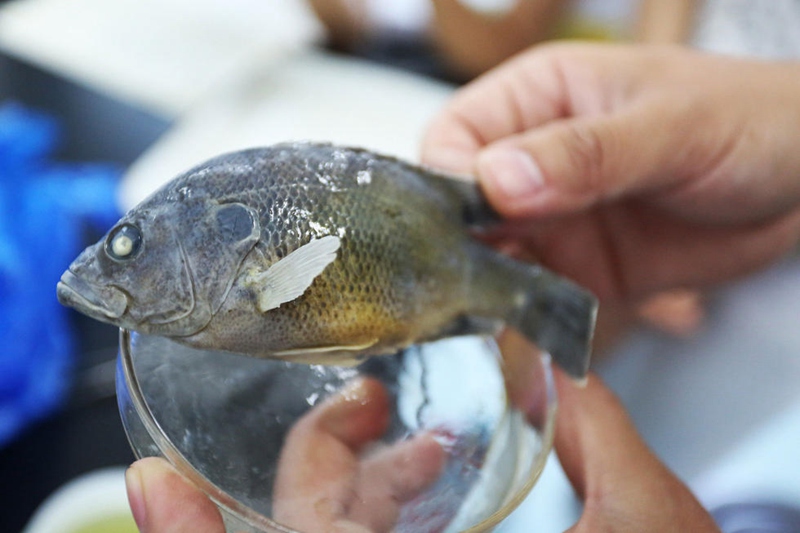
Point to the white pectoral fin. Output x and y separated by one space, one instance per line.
289 278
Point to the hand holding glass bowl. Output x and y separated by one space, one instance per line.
445 436
331 475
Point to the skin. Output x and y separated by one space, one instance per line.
665 168
470 42
324 483
466 41
635 171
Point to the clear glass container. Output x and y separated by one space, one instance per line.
235 426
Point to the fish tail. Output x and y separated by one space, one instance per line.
552 312
559 317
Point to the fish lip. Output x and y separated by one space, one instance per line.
108 302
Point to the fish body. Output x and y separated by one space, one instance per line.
322 254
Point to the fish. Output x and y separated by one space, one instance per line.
321 254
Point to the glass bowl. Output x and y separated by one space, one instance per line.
440 417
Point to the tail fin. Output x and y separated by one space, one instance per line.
559 316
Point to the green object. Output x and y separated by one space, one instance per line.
122 523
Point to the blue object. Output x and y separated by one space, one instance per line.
45 207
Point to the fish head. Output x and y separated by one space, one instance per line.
162 269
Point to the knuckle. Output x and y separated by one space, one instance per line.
587 154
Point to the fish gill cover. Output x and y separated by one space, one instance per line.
45 206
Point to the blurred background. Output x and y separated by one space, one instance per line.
101 102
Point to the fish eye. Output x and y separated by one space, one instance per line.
124 242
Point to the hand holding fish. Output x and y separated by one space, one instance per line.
633 169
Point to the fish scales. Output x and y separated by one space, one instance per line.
318 253
382 239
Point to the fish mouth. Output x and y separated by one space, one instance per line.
104 303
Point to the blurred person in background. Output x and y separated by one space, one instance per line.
472 36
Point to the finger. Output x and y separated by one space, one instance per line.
568 165
318 466
544 84
643 130
163 501
594 437
623 484
637 249
551 131
523 93
394 476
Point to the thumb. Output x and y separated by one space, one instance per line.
568 165
623 484
596 441
163 501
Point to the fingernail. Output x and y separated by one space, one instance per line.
341 407
358 413
512 171
135 488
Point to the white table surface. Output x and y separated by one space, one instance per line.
164 56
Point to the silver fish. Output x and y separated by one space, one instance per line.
322 254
